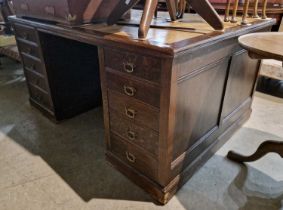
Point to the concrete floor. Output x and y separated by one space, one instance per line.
44 166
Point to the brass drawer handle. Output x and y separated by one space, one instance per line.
25 35
38 98
50 10
128 67
32 67
130 113
24 7
131 135
130 157
130 91
29 51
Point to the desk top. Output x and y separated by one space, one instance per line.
192 32
264 45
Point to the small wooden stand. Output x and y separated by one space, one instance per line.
261 46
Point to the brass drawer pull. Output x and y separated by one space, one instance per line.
29 51
50 10
38 98
130 157
24 7
128 67
130 91
130 113
131 135
25 35
32 67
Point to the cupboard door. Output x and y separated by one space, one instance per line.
241 82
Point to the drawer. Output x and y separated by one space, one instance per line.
41 97
139 135
36 80
134 111
135 89
28 49
133 157
33 64
145 67
25 33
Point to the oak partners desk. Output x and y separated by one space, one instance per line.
169 101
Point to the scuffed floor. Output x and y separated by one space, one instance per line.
44 166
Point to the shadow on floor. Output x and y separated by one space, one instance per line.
73 149
222 184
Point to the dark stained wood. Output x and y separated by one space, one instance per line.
243 69
133 64
191 126
134 110
137 134
134 88
26 34
134 157
263 149
71 12
162 133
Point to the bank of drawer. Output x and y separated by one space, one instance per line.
133 157
36 80
33 64
134 111
28 49
135 89
25 33
41 97
145 67
139 135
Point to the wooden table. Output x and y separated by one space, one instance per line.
169 101
262 46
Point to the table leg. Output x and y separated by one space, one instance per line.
235 9
245 12
264 6
255 15
265 148
171 5
147 16
227 11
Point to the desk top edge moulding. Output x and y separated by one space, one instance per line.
158 129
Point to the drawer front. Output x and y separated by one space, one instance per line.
36 80
29 50
33 65
146 93
140 66
25 33
134 111
133 157
40 97
143 137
